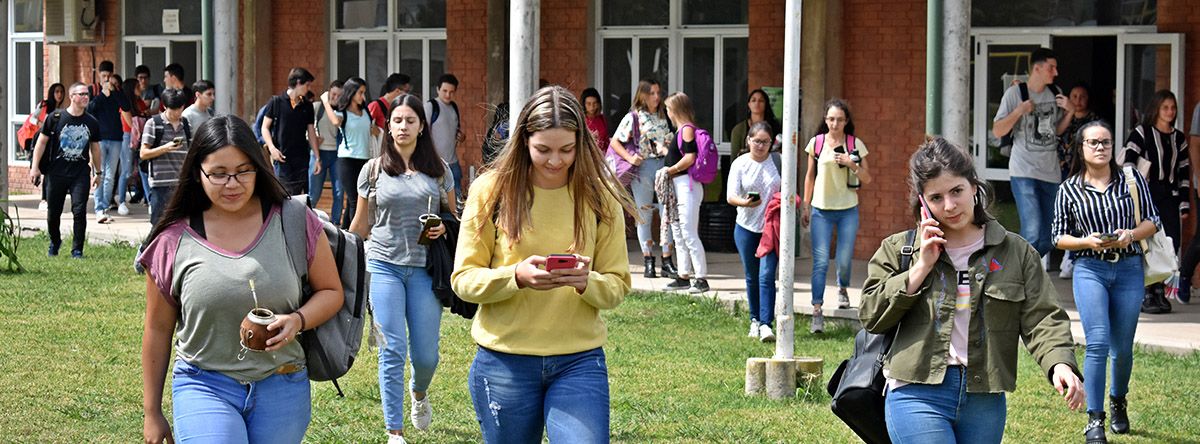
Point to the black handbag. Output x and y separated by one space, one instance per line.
857 385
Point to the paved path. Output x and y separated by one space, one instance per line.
1177 332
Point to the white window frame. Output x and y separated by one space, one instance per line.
157 40
675 32
13 117
393 36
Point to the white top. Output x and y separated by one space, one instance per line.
444 130
747 175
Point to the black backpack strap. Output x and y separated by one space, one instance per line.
906 252
187 130
459 115
436 110
159 128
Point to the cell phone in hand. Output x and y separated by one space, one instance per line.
561 261
753 196
841 149
925 214
430 221
1109 237
177 141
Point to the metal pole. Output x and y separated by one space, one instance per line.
522 55
225 52
784 309
206 31
5 147
933 67
956 72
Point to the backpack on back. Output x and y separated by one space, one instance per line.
1006 141
330 348
160 128
52 140
708 160
437 111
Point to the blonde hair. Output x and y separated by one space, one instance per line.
589 179
681 106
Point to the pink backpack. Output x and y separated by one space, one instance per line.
708 160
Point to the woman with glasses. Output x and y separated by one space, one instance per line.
837 165
1094 218
1160 153
212 258
752 179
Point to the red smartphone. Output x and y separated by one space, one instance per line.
561 261
925 214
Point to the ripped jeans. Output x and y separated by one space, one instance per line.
517 396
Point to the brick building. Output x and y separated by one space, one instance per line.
870 52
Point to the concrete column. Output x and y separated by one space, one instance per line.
208 54
814 71
933 67
225 72
256 58
835 45
784 310
497 47
956 72
522 54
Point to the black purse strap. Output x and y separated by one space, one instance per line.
906 254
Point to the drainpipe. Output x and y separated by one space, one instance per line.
206 30
956 72
933 67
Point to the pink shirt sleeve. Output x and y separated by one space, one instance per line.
314 225
158 259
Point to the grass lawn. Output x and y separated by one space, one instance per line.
69 372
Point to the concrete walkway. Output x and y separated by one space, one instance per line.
1177 332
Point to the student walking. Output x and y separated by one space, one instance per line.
752 179
56 99
837 167
973 292
327 137
760 111
446 126
356 134
165 142
542 250
688 194
213 258
1094 219
69 142
201 108
107 105
295 137
593 107
409 179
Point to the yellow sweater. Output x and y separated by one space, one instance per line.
532 322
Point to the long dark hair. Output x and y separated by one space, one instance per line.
839 104
52 104
212 136
349 92
425 158
1078 165
591 92
937 156
1151 113
769 113
129 89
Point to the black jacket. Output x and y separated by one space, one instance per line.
439 263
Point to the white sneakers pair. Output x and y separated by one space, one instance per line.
421 415
761 331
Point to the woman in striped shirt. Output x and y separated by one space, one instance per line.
1094 220
1160 152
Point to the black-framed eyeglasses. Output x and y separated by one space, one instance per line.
760 142
243 177
1095 144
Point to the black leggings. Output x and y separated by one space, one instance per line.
57 188
349 169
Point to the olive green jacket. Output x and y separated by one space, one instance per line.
1011 296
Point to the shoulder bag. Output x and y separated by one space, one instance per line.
1158 253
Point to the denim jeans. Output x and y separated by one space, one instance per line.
159 197
760 275
409 316
144 174
57 188
124 169
824 222
516 396
210 407
110 160
642 189
456 173
686 231
1035 208
944 413
1108 302
316 182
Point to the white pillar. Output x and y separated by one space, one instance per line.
956 72
784 309
225 54
522 55
5 145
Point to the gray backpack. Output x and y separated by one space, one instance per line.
330 348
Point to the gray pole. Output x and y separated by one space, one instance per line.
956 72
6 127
933 67
225 73
206 32
784 309
522 55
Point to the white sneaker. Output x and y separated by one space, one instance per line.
42 206
753 329
422 413
1068 268
396 439
103 218
1046 261
123 209
765 334
818 322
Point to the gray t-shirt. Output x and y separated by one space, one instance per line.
401 200
444 130
196 117
325 128
1035 141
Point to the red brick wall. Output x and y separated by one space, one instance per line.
564 34
766 43
299 38
108 50
885 86
466 48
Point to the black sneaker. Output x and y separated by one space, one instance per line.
53 251
699 286
76 254
678 284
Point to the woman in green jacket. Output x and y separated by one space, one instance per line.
973 289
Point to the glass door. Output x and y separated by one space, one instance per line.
1147 63
999 61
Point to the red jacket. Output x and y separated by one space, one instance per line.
770 235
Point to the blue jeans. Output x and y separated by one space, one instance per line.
824 222
405 309
125 169
642 189
944 413
760 275
316 182
210 407
1035 207
110 160
144 175
516 396
159 197
1108 302
456 173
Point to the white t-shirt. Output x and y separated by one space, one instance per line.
444 130
746 175
1035 137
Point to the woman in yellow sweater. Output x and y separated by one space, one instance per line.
540 364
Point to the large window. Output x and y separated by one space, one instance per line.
374 38
1059 13
694 46
146 39
25 67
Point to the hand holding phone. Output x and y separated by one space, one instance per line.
178 141
753 196
430 221
561 261
1109 237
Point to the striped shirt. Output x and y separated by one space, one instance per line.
1081 209
1163 160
